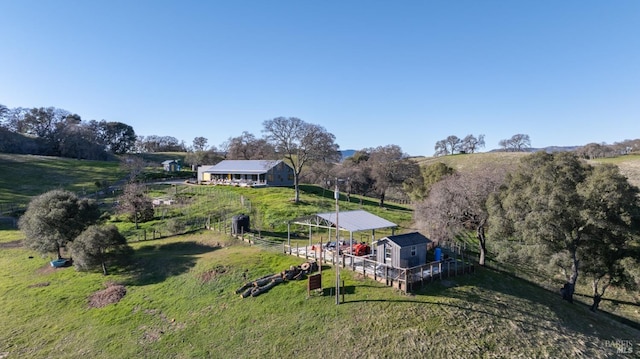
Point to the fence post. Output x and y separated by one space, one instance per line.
406 282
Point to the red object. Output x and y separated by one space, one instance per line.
361 249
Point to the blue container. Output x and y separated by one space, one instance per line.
438 254
57 263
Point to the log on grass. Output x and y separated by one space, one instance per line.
265 280
259 290
299 276
247 292
244 287
292 273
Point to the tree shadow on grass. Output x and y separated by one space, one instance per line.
329 195
155 263
495 297
488 294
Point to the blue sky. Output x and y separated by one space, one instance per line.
372 73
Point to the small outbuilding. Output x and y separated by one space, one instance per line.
171 166
403 250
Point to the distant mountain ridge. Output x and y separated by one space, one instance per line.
347 153
548 149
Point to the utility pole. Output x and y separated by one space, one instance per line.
337 248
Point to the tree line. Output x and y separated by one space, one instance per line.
471 144
554 212
522 143
55 132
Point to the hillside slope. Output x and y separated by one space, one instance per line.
181 302
629 165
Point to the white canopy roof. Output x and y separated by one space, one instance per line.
351 221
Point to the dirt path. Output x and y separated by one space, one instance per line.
12 244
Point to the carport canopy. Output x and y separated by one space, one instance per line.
349 221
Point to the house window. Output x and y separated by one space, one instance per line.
413 251
387 254
270 177
290 177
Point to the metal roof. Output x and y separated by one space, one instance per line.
407 239
243 166
358 220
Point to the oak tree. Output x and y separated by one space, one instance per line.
458 204
300 143
585 216
96 245
55 218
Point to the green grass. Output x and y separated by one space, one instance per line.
629 166
25 176
169 311
467 162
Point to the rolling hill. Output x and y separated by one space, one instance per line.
180 301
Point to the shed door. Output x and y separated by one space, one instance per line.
388 253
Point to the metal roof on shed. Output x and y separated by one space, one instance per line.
407 239
358 220
243 166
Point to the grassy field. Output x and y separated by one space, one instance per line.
24 176
180 302
466 162
629 165
180 297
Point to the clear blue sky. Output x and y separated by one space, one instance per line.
372 73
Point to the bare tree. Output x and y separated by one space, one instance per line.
453 143
248 147
517 143
300 143
458 203
470 144
135 203
358 172
390 167
441 148
449 146
200 143
133 165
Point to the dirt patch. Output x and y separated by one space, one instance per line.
47 269
111 294
211 274
39 285
160 325
12 244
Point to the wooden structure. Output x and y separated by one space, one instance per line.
403 250
456 262
171 166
